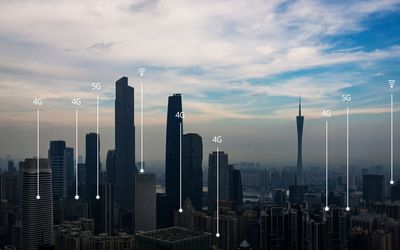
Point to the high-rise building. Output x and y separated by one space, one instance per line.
37 214
69 167
102 210
59 173
145 202
274 229
373 188
172 149
224 179
192 173
236 188
110 166
92 157
337 227
300 123
125 169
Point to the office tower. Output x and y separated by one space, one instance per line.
59 173
373 188
279 196
37 214
125 169
69 167
192 173
395 192
296 193
172 152
173 238
145 202
102 210
92 157
236 188
300 123
110 166
224 179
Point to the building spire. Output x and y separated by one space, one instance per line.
299 105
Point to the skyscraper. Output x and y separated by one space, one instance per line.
92 157
236 188
59 173
110 166
145 204
224 179
37 214
300 123
172 152
124 146
69 168
192 173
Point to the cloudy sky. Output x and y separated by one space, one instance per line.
240 66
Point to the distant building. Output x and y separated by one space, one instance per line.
36 214
373 188
192 173
58 168
173 238
300 124
145 204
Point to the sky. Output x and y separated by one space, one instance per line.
239 65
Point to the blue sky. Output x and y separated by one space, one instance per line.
240 66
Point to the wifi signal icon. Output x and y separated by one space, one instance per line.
141 71
391 83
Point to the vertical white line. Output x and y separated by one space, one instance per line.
391 139
326 166
76 155
217 192
97 145
347 159
141 126
38 154
180 167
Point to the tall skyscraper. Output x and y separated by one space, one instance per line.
172 153
192 173
125 168
37 214
102 210
145 204
224 179
92 152
59 173
300 123
69 168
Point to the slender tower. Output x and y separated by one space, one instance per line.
300 123
125 169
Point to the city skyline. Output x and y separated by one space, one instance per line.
244 78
